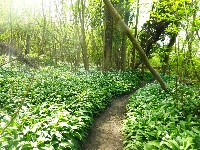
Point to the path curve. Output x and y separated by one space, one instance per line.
106 133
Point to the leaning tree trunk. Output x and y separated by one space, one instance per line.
134 41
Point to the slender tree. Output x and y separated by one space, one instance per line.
42 44
81 7
190 38
136 32
124 37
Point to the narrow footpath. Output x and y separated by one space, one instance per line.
106 133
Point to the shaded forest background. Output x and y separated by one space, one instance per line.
82 33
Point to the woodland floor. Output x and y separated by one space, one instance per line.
106 133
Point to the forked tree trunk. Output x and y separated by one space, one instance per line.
134 41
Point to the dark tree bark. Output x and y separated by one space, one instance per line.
123 53
134 41
108 35
165 63
117 59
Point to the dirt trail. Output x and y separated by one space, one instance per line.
106 133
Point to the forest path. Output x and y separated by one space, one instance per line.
106 133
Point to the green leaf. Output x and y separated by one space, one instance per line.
152 145
63 124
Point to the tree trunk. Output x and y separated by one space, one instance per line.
123 53
77 61
136 26
134 41
42 44
108 33
83 36
191 39
95 50
55 55
116 56
123 47
10 51
28 44
78 53
165 63
76 34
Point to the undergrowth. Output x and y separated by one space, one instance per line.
159 120
59 106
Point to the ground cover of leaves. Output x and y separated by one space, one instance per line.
163 120
59 107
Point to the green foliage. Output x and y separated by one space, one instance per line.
60 106
159 120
